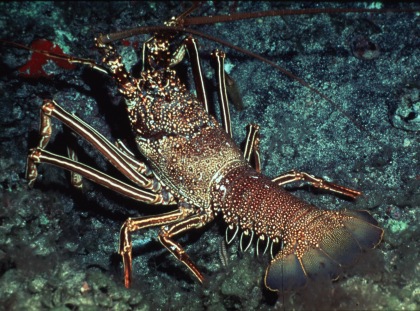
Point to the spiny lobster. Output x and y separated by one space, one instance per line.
192 161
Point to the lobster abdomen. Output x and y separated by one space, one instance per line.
316 243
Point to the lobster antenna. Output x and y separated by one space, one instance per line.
184 14
53 55
199 20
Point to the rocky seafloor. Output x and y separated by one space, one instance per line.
58 246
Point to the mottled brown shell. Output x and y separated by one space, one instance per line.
185 146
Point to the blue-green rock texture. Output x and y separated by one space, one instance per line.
58 246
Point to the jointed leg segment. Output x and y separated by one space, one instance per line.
166 235
127 164
38 155
180 221
316 182
219 57
192 48
150 190
252 148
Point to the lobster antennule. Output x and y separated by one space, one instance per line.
337 247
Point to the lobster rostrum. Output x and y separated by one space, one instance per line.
191 161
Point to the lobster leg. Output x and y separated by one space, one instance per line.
192 48
75 179
316 182
191 44
124 162
219 57
135 224
166 235
222 77
252 146
38 155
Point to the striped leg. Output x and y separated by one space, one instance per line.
252 146
192 48
226 84
172 224
126 163
219 58
316 182
166 236
135 224
38 155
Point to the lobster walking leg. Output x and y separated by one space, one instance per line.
134 224
252 146
38 155
126 164
219 57
75 179
166 235
316 182
192 48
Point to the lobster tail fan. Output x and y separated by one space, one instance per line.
336 246
340 245
364 228
288 273
285 273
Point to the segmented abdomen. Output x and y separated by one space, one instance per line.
316 243
252 201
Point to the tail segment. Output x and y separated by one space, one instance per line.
336 240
